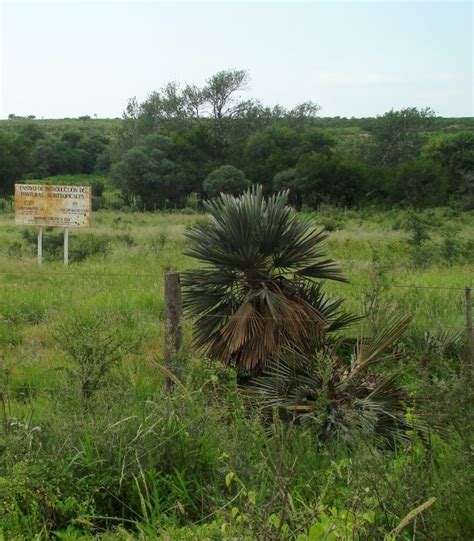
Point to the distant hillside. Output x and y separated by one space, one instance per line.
337 125
53 126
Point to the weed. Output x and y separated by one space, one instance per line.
157 243
95 347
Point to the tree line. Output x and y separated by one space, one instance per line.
203 140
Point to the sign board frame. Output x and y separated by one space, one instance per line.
48 205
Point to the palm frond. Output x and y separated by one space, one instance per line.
320 393
371 350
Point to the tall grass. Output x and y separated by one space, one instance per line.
139 463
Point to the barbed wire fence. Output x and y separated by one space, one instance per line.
173 318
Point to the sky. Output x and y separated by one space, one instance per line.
69 58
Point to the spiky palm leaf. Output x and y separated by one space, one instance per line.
259 287
322 392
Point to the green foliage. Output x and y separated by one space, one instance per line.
157 243
96 182
147 171
340 161
95 347
270 151
338 524
14 161
331 224
69 154
424 249
314 140
227 179
259 288
398 135
42 496
420 182
333 400
288 180
455 153
330 179
199 462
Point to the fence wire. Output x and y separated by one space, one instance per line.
160 276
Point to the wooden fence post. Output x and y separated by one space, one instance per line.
469 331
173 324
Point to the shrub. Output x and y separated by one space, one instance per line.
330 179
41 496
227 179
157 243
334 400
126 238
95 347
420 182
331 224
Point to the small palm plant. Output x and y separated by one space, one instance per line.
335 399
259 287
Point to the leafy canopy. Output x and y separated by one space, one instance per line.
226 179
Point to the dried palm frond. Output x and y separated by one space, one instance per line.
322 392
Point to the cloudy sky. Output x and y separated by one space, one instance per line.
69 58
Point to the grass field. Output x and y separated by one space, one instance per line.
121 283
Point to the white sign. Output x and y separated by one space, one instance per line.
56 206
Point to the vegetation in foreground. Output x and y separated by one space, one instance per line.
92 445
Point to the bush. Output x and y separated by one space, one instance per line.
157 243
331 224
227 179
419 182
42 496
94 347
330 179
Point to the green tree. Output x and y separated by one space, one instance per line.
14 160
93 147
220 92
289 180
270 151
330 178
30 131
315 140
198 151
420 182
398 135
456 154
148 172
227 179
54 156
217 104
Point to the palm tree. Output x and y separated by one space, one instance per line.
259 287
335 399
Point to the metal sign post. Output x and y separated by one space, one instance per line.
66 246
40 246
